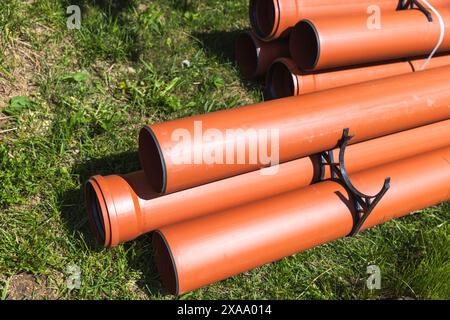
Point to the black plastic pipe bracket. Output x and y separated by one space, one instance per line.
410 4
363 204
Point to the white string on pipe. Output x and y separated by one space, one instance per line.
441 37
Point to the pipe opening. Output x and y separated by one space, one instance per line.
165 263
247 55
304 45
152 160
95 211
280 81
262 17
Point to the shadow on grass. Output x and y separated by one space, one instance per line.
75 218
219 45
181 5
109 7
114 12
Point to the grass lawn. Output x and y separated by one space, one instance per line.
71 105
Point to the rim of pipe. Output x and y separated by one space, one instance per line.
152 159
264 17
247 54
165 263
98 213
281 81
304 45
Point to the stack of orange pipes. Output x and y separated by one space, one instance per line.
285 79
198 252
306 31
223 198
128 207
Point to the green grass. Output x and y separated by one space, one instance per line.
75 100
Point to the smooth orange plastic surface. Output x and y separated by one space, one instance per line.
324 43
271 19
124 207
254 56
173 154
284 78
201 251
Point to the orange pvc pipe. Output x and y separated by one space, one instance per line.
271 19
323 43
436 62
284 78
173 153
254 56
201 251
121 208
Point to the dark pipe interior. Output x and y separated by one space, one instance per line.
304 45
246 55
280 81
262 16
93 206
165 263
152 160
